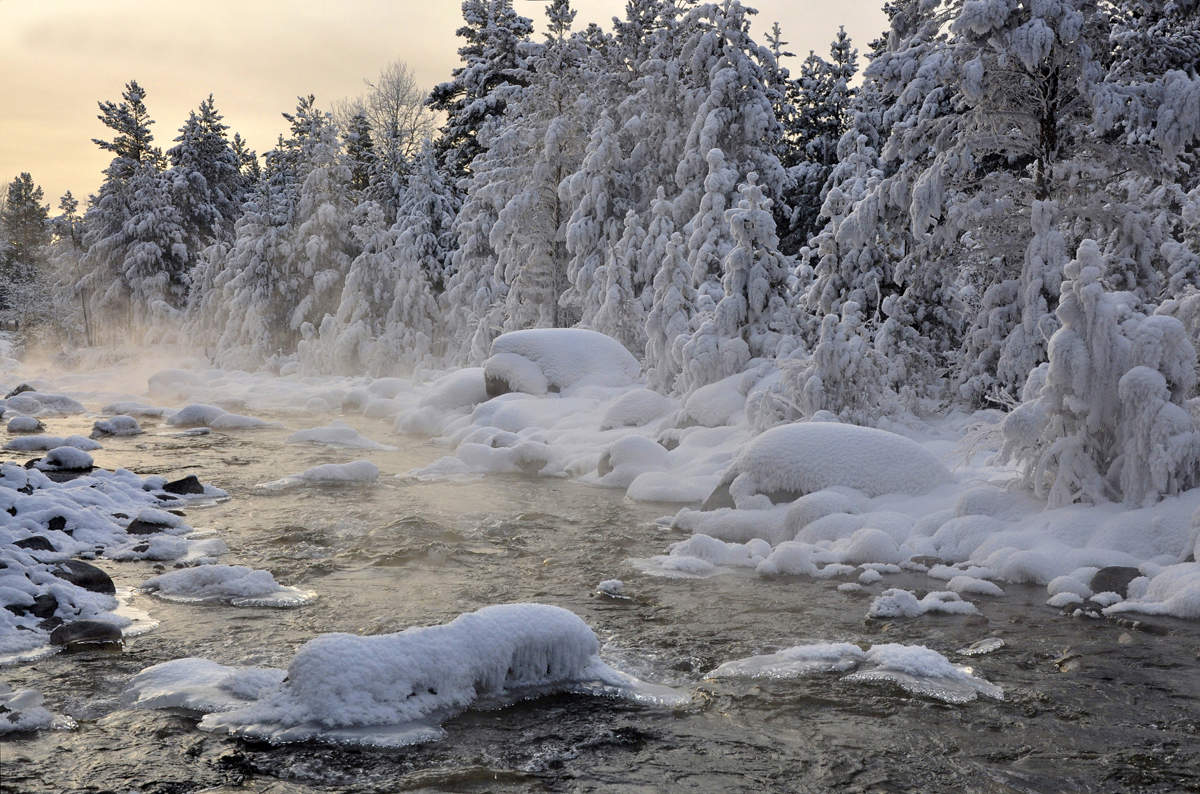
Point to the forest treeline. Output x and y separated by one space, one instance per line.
1002 208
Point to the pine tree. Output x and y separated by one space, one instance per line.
492 74
24 236
205 177
670 316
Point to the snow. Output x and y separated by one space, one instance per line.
1175 590
335 435
636 408
914 668
36 443
236 584
564 357
202 415
23 710
899 603
969 584
396 689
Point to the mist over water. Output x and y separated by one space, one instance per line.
406 553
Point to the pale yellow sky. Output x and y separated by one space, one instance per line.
59 58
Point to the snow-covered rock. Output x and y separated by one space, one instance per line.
538 360
120 425
335 435
236 584
788 462
395 689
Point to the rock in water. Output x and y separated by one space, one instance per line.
1114 579
82 633
186 485
81 574
24 387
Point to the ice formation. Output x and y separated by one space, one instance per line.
235 584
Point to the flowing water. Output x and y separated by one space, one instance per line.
1090 705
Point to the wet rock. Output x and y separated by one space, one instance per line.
82 633
186 485
720 497
1114 579
82 574
57 524
35 543
140 527
495 385
24 387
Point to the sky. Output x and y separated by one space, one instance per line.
59 58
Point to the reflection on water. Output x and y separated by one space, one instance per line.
1122 714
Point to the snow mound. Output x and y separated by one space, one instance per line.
22 711
120 425
636 408
396 689
358 472
128 408
462 388
35 403
25 424
65 459
236 584
335 435
557 359
914 668
898 603
201 415
788 462
40 443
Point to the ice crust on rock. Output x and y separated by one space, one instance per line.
357 472
65 459
235 584
914 668
202 415
396 689
25 424
22 710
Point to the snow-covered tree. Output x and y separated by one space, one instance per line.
621 314
492 74
670 316
1104 418
206 180
24 237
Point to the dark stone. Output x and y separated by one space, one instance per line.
141 547
67 476
783 497
140 527
57 524
26 489
12 511
720 497
24 387
79 633
119 515
44 606
35 543
605 464
1114 579
186 485
164 497
29 464
495 386
82 574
